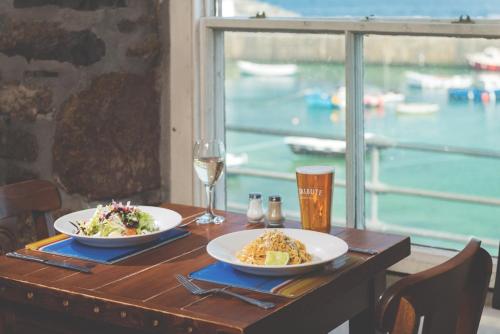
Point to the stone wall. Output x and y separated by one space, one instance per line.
80 98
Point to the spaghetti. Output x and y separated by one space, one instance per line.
255 252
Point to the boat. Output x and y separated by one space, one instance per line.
474 94
316 99
487 60
310 145
417 108
268 70
337 100
236 160
489 81
429 81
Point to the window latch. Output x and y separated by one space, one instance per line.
463 19
259 15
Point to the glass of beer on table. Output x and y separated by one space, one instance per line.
315 186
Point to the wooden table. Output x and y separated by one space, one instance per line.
141 295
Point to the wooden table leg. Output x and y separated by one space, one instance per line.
363 323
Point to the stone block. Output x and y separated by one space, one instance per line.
17 144
148 48
107 138
73 4
127 26
40 74
23 102
48 41
15 173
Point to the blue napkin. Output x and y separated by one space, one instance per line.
72 248
223 273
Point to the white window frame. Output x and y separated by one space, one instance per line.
201 78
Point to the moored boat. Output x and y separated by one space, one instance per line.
337 100
429 81
417 108
487 60
236 160
330 147
272 70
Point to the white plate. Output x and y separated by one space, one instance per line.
165 220
323 247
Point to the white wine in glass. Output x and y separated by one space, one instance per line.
208 160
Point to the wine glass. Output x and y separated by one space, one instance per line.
208 160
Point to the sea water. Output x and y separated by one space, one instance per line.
279 104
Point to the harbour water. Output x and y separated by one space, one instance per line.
278 103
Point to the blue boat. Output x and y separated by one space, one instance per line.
317 99
473 94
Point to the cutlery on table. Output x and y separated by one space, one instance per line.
367 251
55 263
196 290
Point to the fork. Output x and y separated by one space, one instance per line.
196 290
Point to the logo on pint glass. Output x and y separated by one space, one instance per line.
309 192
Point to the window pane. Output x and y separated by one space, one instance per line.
432 132
273 104
342 8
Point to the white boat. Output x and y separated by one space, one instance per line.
315 145
370 100
489 81
488 60
236 160
310 145
417 108
270 70
429 81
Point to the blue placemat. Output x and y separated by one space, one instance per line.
72 248
223 273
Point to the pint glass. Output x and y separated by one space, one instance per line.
315 186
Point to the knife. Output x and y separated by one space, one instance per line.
55 263
367 251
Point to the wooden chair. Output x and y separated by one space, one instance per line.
496 292
450 297
37 197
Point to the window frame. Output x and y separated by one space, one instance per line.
206 76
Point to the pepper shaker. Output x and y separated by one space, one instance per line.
274 214
255 213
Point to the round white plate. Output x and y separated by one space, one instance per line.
323 247
165 219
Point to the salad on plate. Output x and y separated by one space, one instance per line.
117 220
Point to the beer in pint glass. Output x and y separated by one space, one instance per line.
315 186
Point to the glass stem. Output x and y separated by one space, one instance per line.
210 198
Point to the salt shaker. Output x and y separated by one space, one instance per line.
274 215
255 213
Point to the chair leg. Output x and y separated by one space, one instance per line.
496 289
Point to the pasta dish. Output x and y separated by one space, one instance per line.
274 244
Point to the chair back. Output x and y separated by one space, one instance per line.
450 297
38 197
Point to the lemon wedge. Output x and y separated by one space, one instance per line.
274 258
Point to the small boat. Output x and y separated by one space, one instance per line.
236 160
417 108
316 99
267 70
428 81
337 100
489 81
488 60
310 145
474 94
